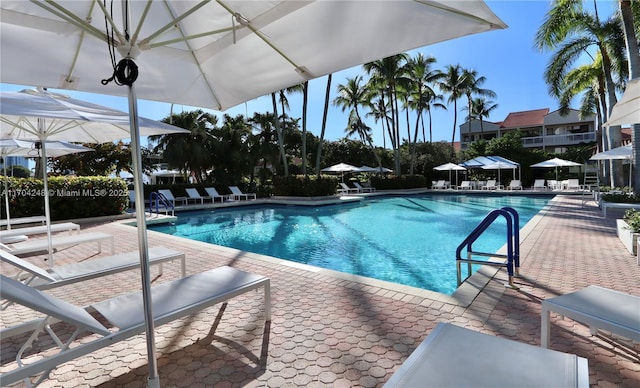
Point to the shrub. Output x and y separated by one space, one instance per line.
69 197
632 218
305 186
399 182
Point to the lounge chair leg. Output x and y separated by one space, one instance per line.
511 284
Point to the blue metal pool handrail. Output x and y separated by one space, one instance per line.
513 245
157 199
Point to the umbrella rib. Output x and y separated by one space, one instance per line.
174 23
458 12
69 17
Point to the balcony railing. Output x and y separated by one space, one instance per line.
559 140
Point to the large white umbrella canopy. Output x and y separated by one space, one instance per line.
627 109
212 54
555 163
341 168
32 149
619 153
450 167
39 115
383 170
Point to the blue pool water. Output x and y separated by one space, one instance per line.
409 240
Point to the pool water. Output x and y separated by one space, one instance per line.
409 240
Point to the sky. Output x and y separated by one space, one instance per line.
513 69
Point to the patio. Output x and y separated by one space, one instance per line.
333 331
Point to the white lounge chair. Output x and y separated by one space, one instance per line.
124 312
452 356
598 308
363 189
23 220
492 185
237 194
465 185
58 276
195 196
41 229
440 185
515 185
345 189
171 198
574 184
539 184
553 184
31 246
213 194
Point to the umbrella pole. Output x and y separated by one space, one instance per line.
6 191
143 244
47 211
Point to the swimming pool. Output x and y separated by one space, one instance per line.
409 240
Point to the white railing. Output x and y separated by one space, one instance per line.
556 140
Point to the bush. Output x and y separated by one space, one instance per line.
399 182
69 197
620 198
305 186
632 217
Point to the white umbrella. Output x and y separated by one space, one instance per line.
31 149
627 109
341 168
212 54
43 116
365 168
555 163
619 153
450 167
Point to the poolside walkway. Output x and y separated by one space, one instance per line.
331 331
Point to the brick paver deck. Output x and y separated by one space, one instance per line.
333 331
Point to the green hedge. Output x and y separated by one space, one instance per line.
305 186
399 182
69 197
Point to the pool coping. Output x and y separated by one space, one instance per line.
463 296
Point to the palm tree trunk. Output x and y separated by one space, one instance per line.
324 124
305 95
634 72
276 123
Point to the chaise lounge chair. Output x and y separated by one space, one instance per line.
465 185
195 196
439 185
174 200
170 300
492 185
41 229
453 356
237 194
598 308
38 245
23 220
58 276
213 193
363 189
345 189
539 184
515 185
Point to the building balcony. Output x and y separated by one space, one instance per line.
558 140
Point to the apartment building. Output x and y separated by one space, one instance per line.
540 128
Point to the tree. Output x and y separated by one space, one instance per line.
190 153
472 86
481 109
453 84
324 123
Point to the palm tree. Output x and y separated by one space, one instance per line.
386 75
276 123
481 108
572 31
351 95
453 83
472 86
324 123
627 9
188 152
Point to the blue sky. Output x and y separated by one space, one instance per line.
512 66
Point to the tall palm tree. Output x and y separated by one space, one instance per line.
572 32
481 109
472 86
190 153
352 96
276 123
386 75
631 31
324 123
453 84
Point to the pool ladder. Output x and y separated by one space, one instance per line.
512 257
158 200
